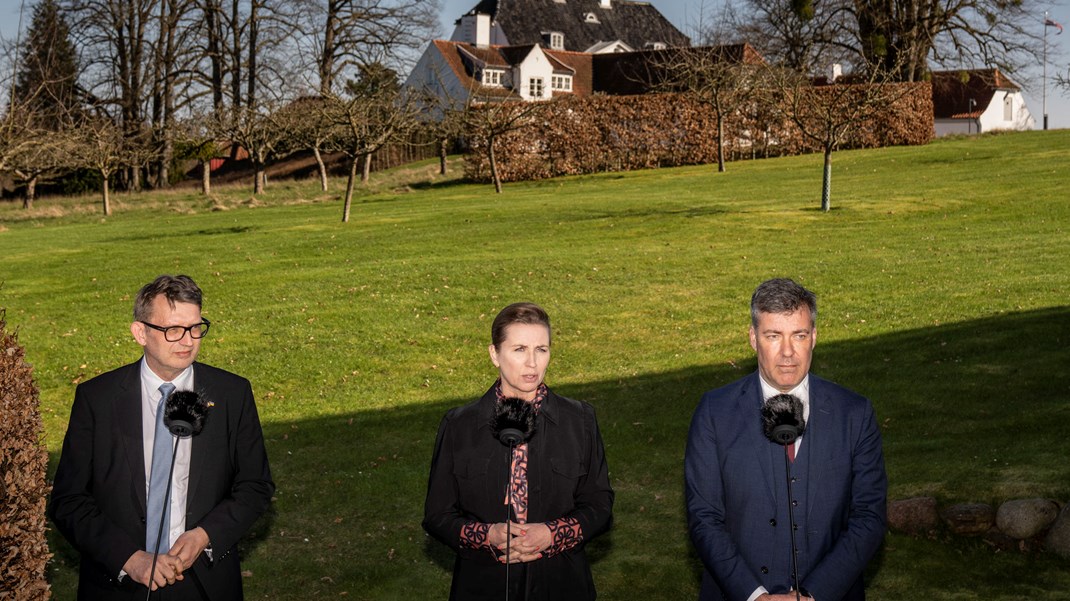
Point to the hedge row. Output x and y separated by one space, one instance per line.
572 135
23 490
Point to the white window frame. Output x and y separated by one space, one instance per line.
536 84
557 40
493 77
562 83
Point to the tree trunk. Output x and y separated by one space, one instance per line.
366 172
30 194
322 167
105 197
349 188
206 177
720 143
493 166
826 182
259 177
165 161
254 30
443 147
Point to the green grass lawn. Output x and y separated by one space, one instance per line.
942 275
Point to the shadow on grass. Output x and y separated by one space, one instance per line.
350 488
445 184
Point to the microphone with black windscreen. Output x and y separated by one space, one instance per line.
184 415
513 424
783 423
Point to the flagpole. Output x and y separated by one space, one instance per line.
1044 81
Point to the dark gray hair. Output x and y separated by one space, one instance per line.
175 288
526 313
781 295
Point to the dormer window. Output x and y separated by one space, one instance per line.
555 40
493 77
655 45
606 3
591 18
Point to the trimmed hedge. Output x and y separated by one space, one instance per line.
23 489
571 135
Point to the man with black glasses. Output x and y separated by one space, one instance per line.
110 494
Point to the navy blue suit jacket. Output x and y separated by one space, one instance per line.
736 494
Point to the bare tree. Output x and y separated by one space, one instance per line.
174 58
114 38
489 117
804 35
259 132
100 143
314 125
827 114
899 37
446 129
903 37
725 79
372 114
343 35
195 139
41 161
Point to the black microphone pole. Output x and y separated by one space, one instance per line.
508 508
159 534
791 520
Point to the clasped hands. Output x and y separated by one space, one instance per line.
170 565
527 544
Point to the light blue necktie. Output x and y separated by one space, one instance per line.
162 445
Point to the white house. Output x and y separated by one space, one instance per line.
977 101
461 71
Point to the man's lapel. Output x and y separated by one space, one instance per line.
820 451
128 413
198 460
749 410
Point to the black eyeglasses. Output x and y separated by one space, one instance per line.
176 333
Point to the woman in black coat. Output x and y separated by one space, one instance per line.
559 480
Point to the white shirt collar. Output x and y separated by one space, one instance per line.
801 390
151 382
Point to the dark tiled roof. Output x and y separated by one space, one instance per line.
635 23
953 90
640 72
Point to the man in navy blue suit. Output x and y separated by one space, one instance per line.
736 479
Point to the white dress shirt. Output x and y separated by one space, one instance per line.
150 399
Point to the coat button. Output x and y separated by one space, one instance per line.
765 570
794 503
772 523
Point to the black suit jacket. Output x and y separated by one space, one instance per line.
567 476
98 497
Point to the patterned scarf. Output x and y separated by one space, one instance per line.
518 473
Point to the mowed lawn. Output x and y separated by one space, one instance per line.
942 275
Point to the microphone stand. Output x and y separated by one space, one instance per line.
791 520
159 533
508 512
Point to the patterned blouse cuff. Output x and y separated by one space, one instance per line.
474 535
565 533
